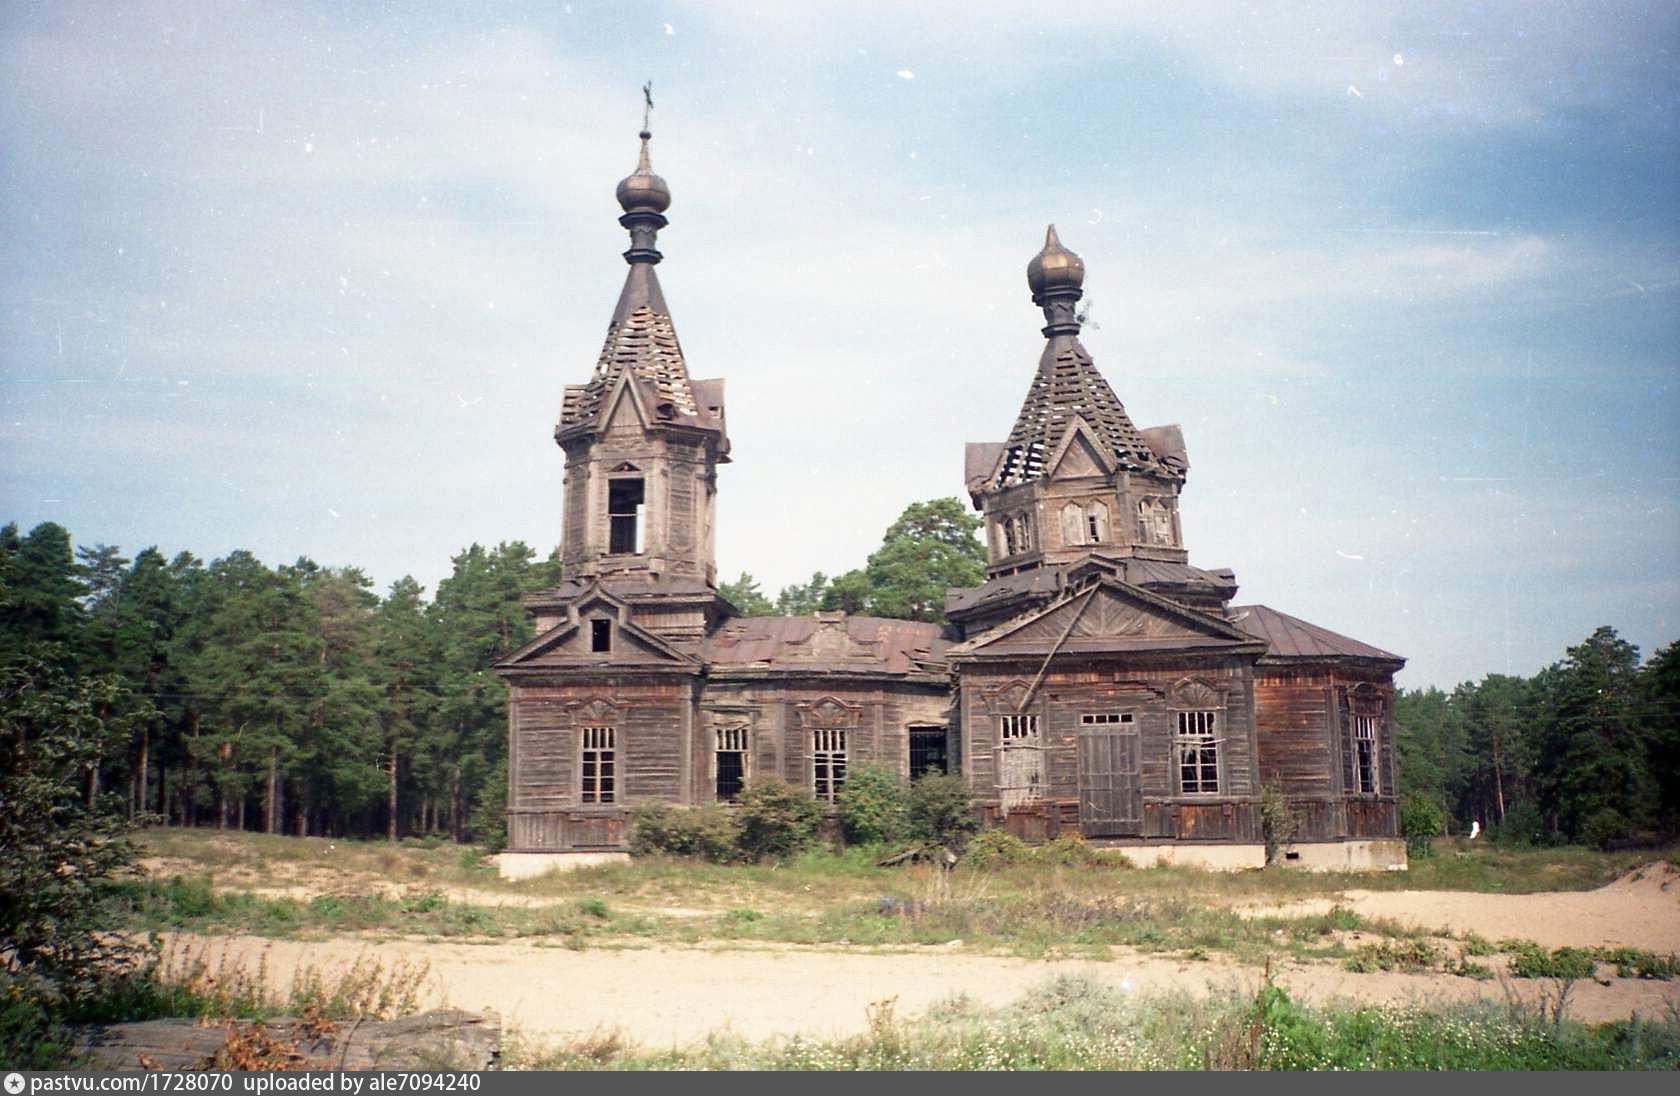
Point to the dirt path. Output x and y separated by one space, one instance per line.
665 995
1639 910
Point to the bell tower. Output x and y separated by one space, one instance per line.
642 440
1075 478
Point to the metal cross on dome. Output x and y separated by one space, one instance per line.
647 97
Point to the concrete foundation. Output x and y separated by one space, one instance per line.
1374 854
529 865
1211 857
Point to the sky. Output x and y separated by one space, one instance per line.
309 279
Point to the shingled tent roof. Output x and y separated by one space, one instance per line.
1068 386
642 341
1293 638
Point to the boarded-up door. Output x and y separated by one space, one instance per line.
1110 800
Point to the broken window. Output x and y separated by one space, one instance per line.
731 762
1365 754
828 763
1008 527
1018 728
1023 532
597 767
1020 761
928 751
600 636
624 513
1104 719
1198 753
1096 522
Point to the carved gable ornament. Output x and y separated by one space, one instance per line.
828 712
597 711
1366 699
1005 699
1191 693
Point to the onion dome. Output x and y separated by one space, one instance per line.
642 189
1054 268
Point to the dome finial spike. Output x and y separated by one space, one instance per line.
643 165
643 191
1051 239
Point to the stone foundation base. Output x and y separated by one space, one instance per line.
529 865
1369 854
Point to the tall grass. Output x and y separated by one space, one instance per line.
206 979
1075 1022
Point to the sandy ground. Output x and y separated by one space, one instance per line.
1640 910
665 995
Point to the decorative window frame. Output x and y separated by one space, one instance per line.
829 713
1365 702
1189 697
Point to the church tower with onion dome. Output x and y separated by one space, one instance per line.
1075 477
642 439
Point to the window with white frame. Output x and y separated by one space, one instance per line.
597 765
1365 754
1197 745
828 763
1104 719
1015 729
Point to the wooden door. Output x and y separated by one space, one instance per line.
1110 799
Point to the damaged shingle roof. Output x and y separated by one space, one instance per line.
642 341
1067 386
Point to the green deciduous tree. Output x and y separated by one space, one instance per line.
60 843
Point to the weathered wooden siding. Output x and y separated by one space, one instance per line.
1153 694
876 716
1294 731
652 720
1303 714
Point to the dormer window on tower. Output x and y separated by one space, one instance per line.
625 496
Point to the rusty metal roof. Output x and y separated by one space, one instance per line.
1292 637
827 642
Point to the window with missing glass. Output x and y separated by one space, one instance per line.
731 762
828 763
1365 754
1197 745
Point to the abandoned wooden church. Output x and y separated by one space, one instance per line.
1096 683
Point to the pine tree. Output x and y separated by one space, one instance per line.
406 658
41 593
1590 775
745 595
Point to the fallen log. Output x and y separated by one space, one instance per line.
441 1039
